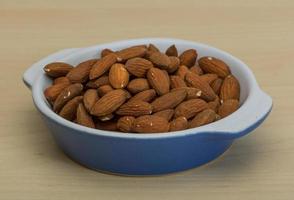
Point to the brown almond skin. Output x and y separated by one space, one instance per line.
105 52
66 95
104 89
166 114
57 69
188 57
169 100
178 124
172 51
118 76
209 78
204 117
107 125
174 64
138 66
197 70
102 66
138 85
150 124
213 65
230 88
80 73
103 80
62 80
109 103
83 118
52 92
190 108
228 107
195 81
135 108
125 123
177 82
182 71
69 109
151 49
131 52
147 95
214 105
90 98
160 60
192 93
158 80
216 85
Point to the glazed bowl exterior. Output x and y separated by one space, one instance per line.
150 154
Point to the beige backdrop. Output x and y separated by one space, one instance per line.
261 33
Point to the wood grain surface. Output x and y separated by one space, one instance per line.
261 33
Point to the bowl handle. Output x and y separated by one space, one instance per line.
249 116
33 71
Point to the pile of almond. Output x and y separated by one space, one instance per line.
142 90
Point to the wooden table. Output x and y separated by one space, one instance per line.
258 166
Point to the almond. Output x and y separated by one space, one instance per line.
150 124
205 117
147 95
138 85
214 105
80 73
216 85
228 107
106 117
52 92
213 65
105 52
190 108
195 81
103 80
61 79
104 89
125 123
138 66
178 124
153 48
230 88
188 57
172 51
69 109
109 103
102 66
166 114
192 93
66 95
196 69
174 64
131 52
118 76
182 71
169 100
135 108
158 80
107 125
90 98
177 82
83 118
209 78
160 60
57 69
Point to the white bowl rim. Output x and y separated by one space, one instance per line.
224 126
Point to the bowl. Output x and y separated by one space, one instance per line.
157 153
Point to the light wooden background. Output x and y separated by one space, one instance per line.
261 33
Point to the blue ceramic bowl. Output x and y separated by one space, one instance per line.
150 154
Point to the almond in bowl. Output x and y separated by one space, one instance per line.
195 91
